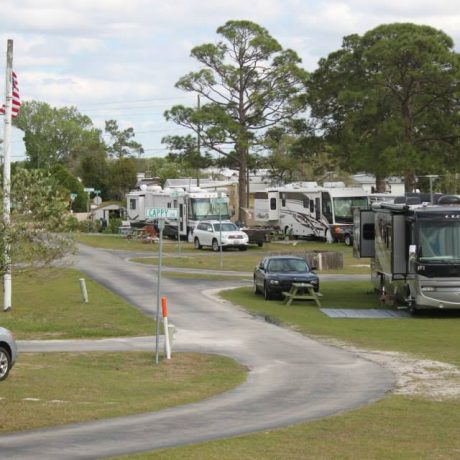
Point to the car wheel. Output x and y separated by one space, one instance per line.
5 363
215 246
243 248
256 289
347 240
197 244
267 295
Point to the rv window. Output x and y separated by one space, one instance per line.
283 200
306 201
273 204
312 206
368 231
132 204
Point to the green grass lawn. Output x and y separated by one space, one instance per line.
49 306
48 389
55 388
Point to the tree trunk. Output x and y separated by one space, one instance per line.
380 186
242 186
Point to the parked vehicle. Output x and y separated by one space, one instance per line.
307 210
275 274
216 233
8 352
414 251
193 205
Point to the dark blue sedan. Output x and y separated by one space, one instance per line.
275 274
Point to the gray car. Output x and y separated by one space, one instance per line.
8 352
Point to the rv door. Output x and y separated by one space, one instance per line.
364 233
399 251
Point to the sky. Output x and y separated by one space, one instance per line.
120 59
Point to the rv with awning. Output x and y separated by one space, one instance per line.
414 250
307 210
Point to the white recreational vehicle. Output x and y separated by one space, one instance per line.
193 204
414 251
307 210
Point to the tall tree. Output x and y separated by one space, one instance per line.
122 177
53 135
121 142
249 83
389 101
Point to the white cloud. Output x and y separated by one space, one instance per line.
92 53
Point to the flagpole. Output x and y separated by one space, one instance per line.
7 177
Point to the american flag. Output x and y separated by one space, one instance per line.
16 101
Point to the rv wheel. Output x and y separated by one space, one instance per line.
347 240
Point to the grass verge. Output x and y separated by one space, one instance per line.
232 260
397 428
433 336
55 388
49 306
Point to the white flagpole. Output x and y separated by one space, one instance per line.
7 175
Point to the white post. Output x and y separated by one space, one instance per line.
7 284
84 292
164 308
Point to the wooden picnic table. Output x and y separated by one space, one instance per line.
302 291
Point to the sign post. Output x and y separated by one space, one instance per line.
161 214
176 194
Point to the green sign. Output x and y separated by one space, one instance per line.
161 213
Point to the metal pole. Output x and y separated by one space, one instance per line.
7 284
178 225
220 237
160 247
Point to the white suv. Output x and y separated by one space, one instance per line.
209 232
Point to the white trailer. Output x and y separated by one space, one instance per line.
193 204
307 210
414 251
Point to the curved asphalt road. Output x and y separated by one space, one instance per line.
291 377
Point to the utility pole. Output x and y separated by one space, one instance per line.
7 176
198 145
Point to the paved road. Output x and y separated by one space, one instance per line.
291 377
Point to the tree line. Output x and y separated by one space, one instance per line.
386 103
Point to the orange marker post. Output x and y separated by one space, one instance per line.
164 310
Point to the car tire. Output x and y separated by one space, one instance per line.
196 243
256 289
215 245
267 295
5 363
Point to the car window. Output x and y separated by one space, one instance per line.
287 265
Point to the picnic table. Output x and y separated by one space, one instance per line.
302 291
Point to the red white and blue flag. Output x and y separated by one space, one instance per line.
16 101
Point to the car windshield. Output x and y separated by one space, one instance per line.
226 227
287 266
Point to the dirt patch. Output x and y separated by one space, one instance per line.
425 378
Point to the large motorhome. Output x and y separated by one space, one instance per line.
307 210
193 204
414 251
